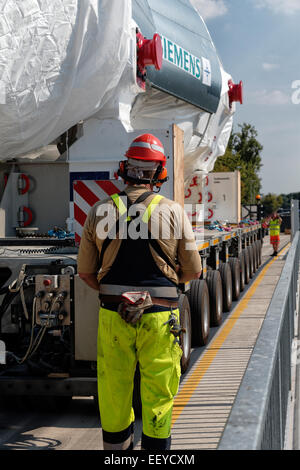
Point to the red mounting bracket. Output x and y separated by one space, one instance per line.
149 52
235 92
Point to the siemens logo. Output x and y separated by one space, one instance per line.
176 55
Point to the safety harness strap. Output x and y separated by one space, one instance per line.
117 199
119 202
146 217
148 212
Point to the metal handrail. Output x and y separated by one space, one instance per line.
258 417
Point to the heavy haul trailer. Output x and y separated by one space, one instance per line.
62 359
48 316
229 262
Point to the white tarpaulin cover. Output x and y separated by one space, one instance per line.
60 62
64 61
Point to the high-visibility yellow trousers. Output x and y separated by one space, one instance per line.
120 346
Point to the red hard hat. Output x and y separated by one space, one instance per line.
147 147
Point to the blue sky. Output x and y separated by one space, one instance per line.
258 41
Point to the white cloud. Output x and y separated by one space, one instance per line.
269 67
269 98
287 7
210 8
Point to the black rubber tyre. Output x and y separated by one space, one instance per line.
242 271
198 297
258 246
226 277
236 277
251 261
255 263
247 265
185 338
214 284
260 250
257 254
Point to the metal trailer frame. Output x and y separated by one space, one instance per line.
221 245
216 247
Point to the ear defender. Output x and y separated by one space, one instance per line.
162 177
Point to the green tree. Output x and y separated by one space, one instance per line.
287 198
271 203
243 154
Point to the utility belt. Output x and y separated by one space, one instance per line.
132 301
164 292
117 299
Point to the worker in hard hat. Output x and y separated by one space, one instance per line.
138 285
274 228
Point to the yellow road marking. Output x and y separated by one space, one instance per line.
193 381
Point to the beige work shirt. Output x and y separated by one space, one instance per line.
169 220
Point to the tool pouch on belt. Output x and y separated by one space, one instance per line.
133 305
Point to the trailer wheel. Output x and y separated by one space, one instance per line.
260 251
185 338
214 284
226 277
251 261
259 248
236 277
198 297
242 270
247 265
255 263
257 245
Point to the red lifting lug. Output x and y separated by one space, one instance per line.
235 92
149 52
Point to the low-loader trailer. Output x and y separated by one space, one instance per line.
62 156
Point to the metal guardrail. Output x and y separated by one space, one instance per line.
258 417
294 216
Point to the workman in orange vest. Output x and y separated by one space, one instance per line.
137 278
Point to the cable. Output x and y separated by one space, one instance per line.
43 330
41 333
20 361
23 302
17 283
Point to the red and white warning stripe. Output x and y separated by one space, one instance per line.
86 194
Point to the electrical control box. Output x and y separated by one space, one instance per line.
53 301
